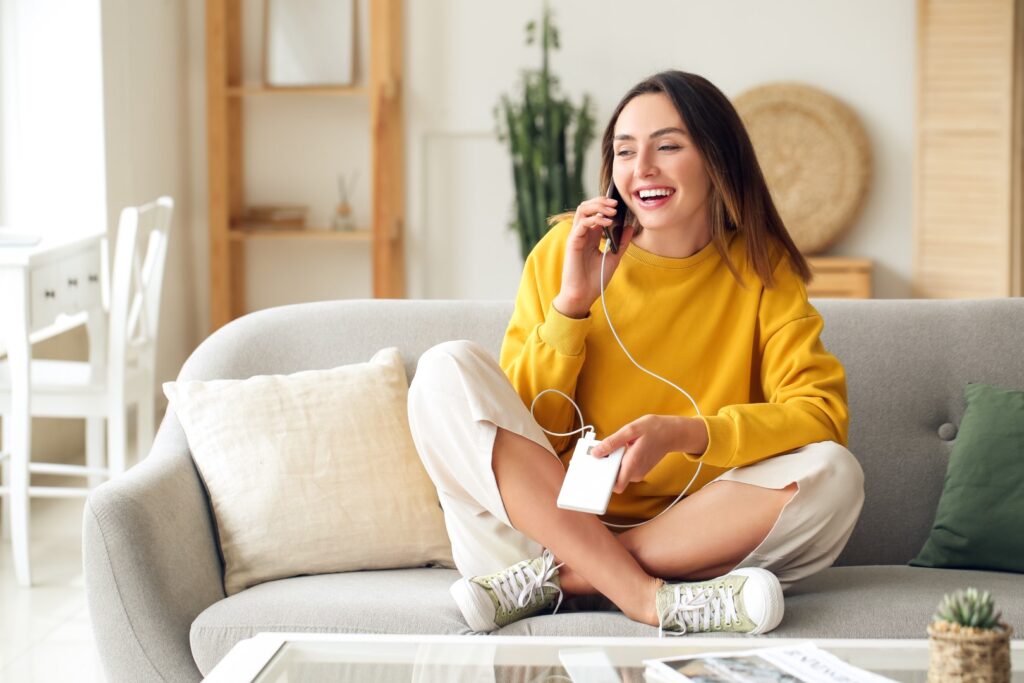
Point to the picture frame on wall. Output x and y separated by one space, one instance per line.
308 43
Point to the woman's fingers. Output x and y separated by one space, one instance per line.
598 206
609 444
629 470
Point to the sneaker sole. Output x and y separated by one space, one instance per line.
774 604
468 596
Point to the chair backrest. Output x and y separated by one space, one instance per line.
136 281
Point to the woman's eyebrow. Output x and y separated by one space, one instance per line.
656 134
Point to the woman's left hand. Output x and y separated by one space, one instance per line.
647 440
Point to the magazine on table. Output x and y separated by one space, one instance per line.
803 663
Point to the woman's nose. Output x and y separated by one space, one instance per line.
644 167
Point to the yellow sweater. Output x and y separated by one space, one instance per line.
751 358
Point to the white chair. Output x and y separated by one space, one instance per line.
100 392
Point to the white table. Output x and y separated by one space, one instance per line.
39 286
294 657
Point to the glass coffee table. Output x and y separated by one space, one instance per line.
298 657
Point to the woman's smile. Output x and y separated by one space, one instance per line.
653 197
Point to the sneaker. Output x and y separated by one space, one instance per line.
742 601
496 600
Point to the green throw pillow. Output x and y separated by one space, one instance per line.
979 520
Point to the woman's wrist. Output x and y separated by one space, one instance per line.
570 309
693 436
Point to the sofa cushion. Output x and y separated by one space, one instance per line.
978 522
313 472
841 602
384 601
888 601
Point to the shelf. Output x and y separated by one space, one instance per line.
241 235
258 90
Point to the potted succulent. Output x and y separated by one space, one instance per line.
547 137
968 642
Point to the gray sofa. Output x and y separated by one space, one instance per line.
153 574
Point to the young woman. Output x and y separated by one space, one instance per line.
706 292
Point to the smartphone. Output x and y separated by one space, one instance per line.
613 232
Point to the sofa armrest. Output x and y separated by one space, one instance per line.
151 563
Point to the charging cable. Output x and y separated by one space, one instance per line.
585 427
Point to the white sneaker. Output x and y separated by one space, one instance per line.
742 601
496 600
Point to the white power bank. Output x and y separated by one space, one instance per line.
588 482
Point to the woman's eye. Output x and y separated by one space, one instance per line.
669 148
623 152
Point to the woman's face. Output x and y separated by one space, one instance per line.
656 166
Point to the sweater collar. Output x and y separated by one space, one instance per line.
652 259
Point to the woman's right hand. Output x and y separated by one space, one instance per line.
581 271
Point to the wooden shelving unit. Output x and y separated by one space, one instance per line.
226 94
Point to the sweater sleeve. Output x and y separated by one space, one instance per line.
544 349
804 388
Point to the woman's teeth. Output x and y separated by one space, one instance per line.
650 197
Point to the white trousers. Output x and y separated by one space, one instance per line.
458 398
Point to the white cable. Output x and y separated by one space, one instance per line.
584 427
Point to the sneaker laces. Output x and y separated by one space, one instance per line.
697 610
519 585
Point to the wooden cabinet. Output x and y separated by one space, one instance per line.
968 167
226 95
839 278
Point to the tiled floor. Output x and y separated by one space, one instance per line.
45 633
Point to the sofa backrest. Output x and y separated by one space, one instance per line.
906 363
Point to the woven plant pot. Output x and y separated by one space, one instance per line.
968 655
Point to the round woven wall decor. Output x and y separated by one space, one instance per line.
815 157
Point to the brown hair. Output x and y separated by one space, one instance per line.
738 197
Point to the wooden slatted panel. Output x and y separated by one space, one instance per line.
964 165
1017 177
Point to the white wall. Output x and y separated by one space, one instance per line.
147 148
461 55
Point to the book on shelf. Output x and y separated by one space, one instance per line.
803 663
276 217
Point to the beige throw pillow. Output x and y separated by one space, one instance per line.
313 472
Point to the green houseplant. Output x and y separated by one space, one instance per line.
968 642
547 136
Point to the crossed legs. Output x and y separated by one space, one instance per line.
498 479
703 536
